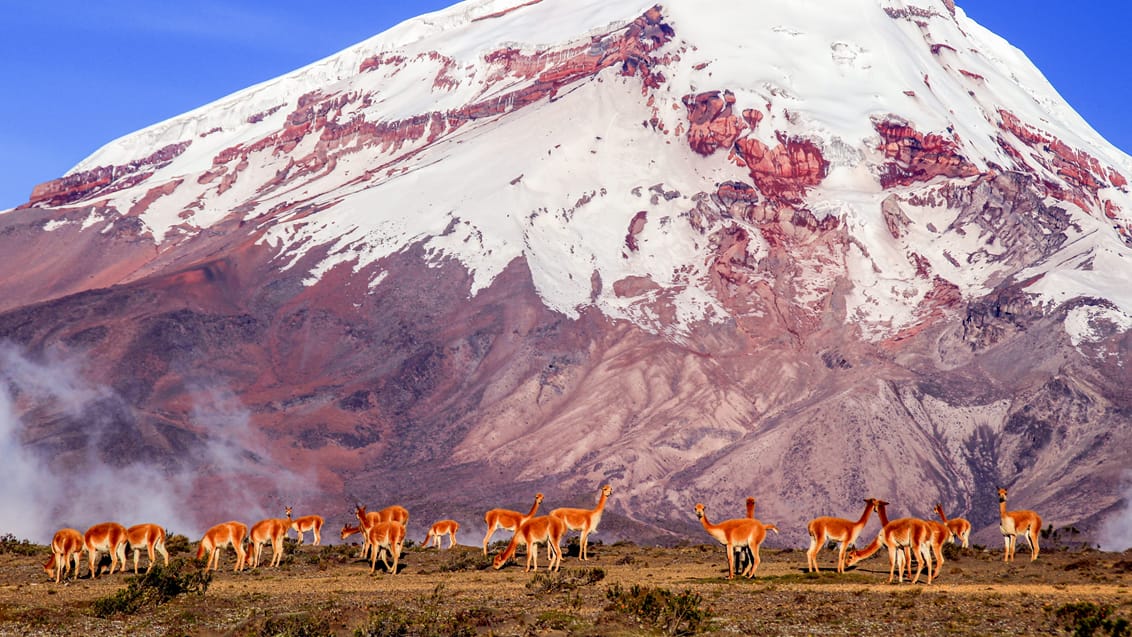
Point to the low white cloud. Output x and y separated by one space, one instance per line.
1116 532
81 488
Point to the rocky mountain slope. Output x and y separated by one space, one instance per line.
694 251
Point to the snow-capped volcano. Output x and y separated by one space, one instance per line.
694 250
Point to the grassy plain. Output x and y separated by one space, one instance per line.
623 589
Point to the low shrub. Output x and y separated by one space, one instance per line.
558 620
573 546
295 625
430 616
338 553
952 551
658 608
177 544
156 587
1085 619
563 581
9 544
395 621
463 560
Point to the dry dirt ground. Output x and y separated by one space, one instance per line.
622 590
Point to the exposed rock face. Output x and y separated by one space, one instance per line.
712 124
914 156
458 274
786 171
97 181
635 228
1082 175
783 172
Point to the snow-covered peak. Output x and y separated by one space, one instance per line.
569 133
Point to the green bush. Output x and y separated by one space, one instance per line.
297 625
337 554
573 546
1085 619
9 544
952 551
462 559
177 544
154 588
674 614
397 621
562 581
429 616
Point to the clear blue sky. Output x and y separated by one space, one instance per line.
77 74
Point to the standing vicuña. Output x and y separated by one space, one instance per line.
392 513
219 536
272 530
152 538
1013 523
735 535
959 527
109 537
440 529
306 523
546 528
507 519
66 553
939 534
584 520
385 538
858 555
902 536
838 530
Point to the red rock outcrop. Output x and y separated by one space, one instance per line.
262 115
914 156
377 61
913 13
1111 210
752 116
1078 167
635 228
784 172
1083 175
944 299
787 227
731 255
735 198
103 179
712 123
444 80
